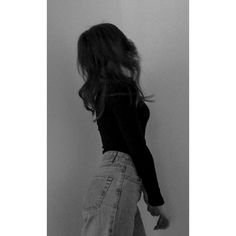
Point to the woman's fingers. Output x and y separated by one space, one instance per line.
162 223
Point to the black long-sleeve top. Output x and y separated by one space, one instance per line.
122 127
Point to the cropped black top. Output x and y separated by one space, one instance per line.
122 127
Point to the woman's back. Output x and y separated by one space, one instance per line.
110 132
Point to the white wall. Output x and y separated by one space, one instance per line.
71 134
160 31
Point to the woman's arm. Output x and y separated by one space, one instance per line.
128 121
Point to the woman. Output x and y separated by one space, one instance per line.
110 67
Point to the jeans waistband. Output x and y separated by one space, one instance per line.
118 156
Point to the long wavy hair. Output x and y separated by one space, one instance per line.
103 53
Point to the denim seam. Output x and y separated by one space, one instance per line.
111 229
114 156
134 179
97 205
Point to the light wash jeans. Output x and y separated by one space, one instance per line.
110 204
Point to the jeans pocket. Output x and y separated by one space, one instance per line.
96 192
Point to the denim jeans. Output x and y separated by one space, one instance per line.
110 204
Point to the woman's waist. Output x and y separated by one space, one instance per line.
117 156
116 162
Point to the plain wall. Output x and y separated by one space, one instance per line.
160 32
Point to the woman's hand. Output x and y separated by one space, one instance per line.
162 222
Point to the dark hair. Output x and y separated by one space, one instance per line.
103 50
